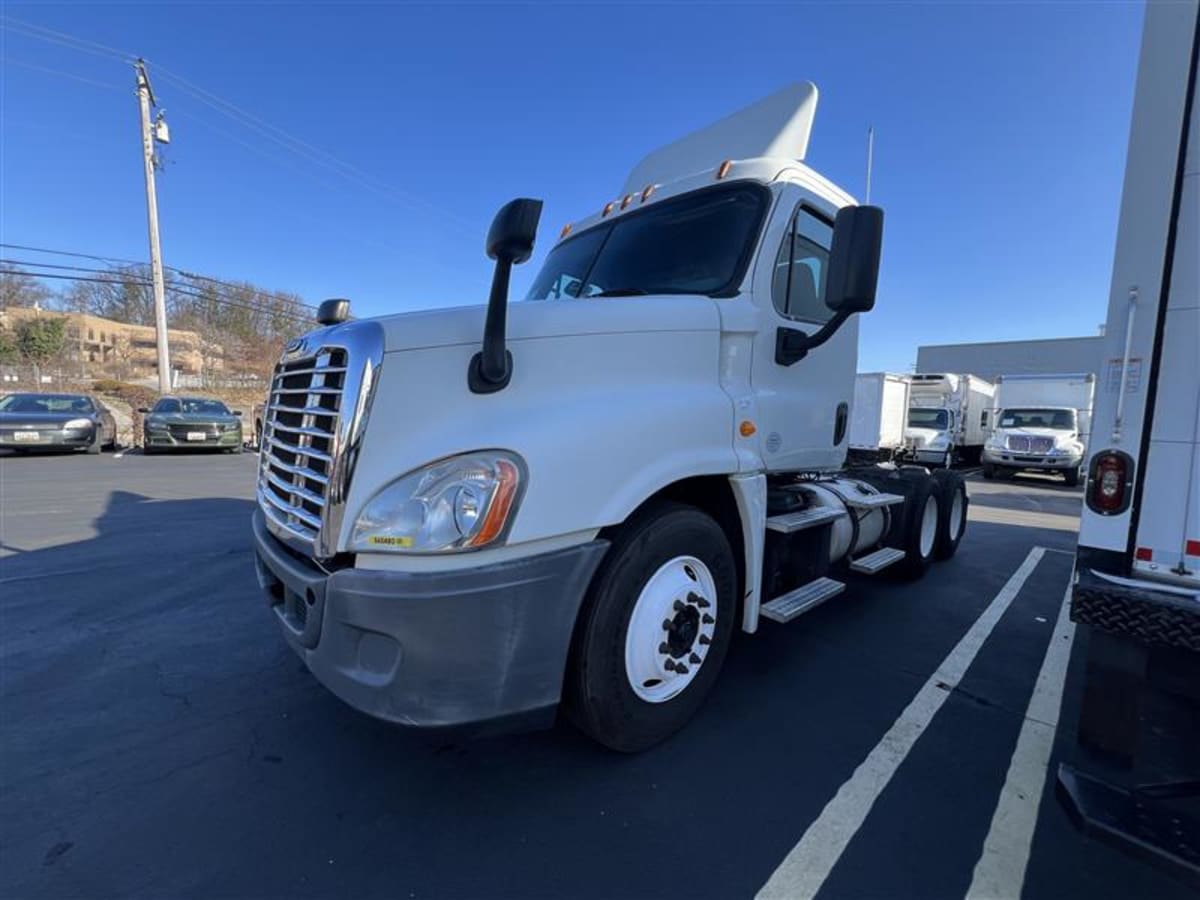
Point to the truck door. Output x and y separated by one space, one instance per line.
1168 515
803 408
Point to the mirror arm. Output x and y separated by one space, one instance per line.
491 367
792 345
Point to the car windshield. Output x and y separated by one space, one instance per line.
1058 419
45 403
928 418
698 243
192 406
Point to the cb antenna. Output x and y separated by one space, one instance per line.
870 159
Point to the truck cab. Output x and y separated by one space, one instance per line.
471 516
1036 438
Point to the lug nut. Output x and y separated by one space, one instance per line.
669 665
699 601
694 659
681 669
666 624
679 605
707 619
704 639
663 648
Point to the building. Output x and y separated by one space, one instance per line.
105 346
991 359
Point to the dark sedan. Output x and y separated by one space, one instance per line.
180 422
55 422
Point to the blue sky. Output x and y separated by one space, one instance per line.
1001 135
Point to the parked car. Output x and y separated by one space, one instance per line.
177 422
56 422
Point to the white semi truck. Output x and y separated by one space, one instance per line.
1041 424
878 415
1135 780
469 517
948 418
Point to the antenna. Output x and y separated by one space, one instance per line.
870 160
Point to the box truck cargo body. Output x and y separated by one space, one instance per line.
878 415
1041 424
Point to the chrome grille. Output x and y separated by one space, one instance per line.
1025 444
300 441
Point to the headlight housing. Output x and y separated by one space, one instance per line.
77 425
461 503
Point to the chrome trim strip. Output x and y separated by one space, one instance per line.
299 451
297 470
302 514
294 489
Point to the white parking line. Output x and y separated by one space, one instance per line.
1000 871
806 867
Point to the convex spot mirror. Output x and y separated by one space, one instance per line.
854 259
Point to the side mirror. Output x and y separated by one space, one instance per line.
513 231
333 311
854 259
144 410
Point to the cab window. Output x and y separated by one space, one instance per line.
798 281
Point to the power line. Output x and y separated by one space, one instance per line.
135 262
8 60
42 33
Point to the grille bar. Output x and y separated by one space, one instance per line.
303 515
298 450
299 492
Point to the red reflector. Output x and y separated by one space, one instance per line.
1145 554
1108 486
1193 548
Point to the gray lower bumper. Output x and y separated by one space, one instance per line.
1013 460
433 649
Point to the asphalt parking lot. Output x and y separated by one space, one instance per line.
160 740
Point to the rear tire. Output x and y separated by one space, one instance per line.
1072 476
921 517
665 595
989 471
97 444
952 513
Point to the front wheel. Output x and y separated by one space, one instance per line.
922 515
654 629
1072 476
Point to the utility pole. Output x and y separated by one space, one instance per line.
149 136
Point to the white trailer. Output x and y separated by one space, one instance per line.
581 507
949 418
878 415
1136 594
1041 423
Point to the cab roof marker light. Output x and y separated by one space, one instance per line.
608 207
625 201
724 169
566 229
647 191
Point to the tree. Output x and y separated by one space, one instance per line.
9 353
40 340
19 288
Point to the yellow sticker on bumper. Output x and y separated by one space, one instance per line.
377 540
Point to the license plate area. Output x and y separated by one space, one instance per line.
26 436
196 436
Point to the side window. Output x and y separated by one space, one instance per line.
798 282
983 419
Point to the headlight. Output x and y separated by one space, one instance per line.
155 425
938 443
459 503
77 424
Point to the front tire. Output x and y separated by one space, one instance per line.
97 444
654 629
989 471
1072 476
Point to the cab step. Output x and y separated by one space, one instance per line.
874 501
787 606
804 518
877 561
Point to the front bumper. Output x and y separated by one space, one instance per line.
165 440
929 455
1012 460
470 646
48 438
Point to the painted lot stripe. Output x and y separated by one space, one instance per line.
1030 519
1000 871
806 867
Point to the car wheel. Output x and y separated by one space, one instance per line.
97 444
1072 476
654 629
952 513
989 471
921 528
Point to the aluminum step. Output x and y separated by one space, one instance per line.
804 518
874 501
877 561
787 606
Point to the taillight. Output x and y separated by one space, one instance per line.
1110 482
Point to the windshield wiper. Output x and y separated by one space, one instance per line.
622 292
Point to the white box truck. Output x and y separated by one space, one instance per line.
467 517
1136 592
1041 424
948 418
878 415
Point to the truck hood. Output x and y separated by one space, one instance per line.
1036 432
463 325
925 434
192 418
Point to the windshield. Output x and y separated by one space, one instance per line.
45 403
1058 419
929 418
193 405
698 243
